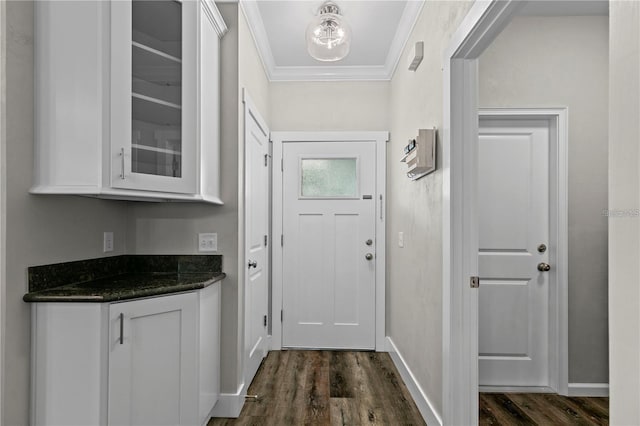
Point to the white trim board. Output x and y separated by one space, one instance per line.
280 138
383 72
589 389
230 405
483 23
429 413
558 119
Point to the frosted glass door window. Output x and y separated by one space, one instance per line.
329 177
156 88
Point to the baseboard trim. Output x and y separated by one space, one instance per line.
429 414
516 389
588 389
229 405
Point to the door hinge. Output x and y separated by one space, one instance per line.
282 165
474 282
266 240
264 320
281 315
281 240
266 160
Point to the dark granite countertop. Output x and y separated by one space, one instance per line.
121 278
124 287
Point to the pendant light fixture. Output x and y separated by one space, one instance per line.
328 35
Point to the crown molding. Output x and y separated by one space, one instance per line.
383 72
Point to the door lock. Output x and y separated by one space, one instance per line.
542 248
369 242
252 264
543 267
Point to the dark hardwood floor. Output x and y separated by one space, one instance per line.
364 388
327 388
542 409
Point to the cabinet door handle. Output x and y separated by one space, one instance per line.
121 328
122 162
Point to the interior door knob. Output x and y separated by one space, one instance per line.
252 264
543 267
368 256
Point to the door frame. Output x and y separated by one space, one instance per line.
279 139
251 110
558 241
483 23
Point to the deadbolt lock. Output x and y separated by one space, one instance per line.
369 242
542 248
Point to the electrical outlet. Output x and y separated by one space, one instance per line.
107 242
401 239
208 241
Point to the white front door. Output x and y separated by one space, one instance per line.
329 247
514 220
256 239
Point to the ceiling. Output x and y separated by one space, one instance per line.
380 30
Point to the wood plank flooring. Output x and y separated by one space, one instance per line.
364 388
542 409
327 388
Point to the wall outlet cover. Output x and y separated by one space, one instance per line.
208 242
107 242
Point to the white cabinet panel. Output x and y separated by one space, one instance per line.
152 361
127 98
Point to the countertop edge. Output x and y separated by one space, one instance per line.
132 294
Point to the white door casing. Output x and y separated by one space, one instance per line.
328 282
514 167
280 141
256 233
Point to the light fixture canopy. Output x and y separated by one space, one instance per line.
328 35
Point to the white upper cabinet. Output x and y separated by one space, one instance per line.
127 99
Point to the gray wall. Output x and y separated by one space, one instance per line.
563 61
624 193
40 229
414 273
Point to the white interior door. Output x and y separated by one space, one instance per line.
256 239
513 201
329 207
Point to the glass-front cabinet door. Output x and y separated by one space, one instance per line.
153 95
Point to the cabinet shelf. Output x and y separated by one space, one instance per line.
155 66
155 149
151 110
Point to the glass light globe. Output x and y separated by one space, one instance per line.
328 36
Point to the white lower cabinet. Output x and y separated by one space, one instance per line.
150 361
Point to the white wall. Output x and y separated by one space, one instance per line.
40 229
557 62
624 193
414 273
319 106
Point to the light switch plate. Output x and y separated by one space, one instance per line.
208 242
401 239
107 242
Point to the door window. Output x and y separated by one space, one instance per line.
329 178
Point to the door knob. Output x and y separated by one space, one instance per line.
253 264
543 267
368 256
